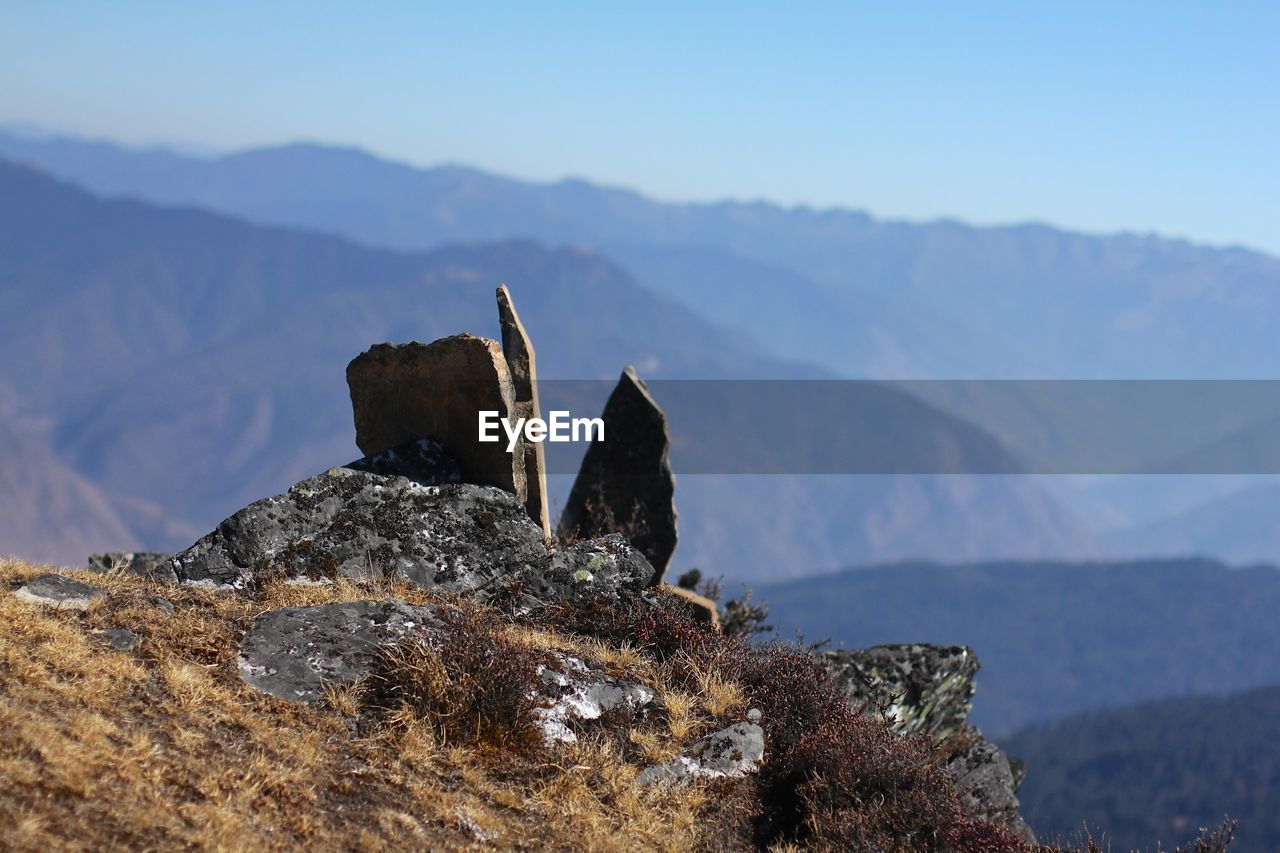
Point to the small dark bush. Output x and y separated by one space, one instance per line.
836 778
662 628
476 687
739 617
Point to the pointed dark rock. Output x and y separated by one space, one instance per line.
522 365
403 392
625 484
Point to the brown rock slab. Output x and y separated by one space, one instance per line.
625 484
404 392
523 367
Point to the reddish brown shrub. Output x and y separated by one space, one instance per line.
476 686
833 778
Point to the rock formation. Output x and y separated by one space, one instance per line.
431 505
59 592
921 688
404 392
523 367
295 653
731 752
401 514
625 484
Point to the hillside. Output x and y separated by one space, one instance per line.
1027 301
1057 638
1241 526
1154 770
186 361
46 507
149 714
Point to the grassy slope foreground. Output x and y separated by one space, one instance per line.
164 746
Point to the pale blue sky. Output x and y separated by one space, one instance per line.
1100 116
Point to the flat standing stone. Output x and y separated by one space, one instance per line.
59 592
625 484
404 392
523 366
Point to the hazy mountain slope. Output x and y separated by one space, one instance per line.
1155 771
1241 526
850 328
1065 305
195 363
1056 638
48 512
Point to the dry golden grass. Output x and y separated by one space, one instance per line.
165 747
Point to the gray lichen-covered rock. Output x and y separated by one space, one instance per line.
923 688
988 781
731 752
572 690
917 687
353 523
403 392
120 639
294 653
146 564
423 460
608 567
59 592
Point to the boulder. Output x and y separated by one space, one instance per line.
915 687
424 461
921 688
988 781
731 752
625 484
571 690
366 521
608 566
522 364
59 592
294 653
120 639
353 523
404 392
147 564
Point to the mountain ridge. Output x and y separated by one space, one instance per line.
1134 305
194 362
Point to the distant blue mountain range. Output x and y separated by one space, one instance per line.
841 291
